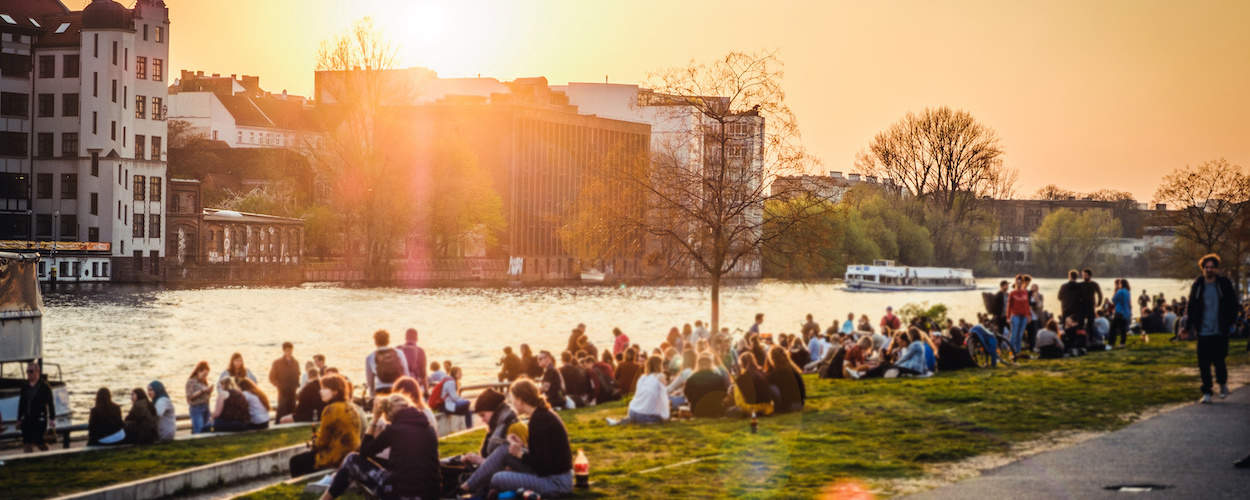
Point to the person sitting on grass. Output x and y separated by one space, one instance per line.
167 420
650 404
677 385
552 382
337 434
411 389
788 379
141 421
1073 336
237 370
1049 345
412 468
545 467
308 403
858 362
911 361
576 381
627 371
453 403
952 355
752 393
257 405
705 388
501 421
105 425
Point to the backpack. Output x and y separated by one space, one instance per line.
436 395
388 366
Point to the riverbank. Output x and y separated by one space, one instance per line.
882 435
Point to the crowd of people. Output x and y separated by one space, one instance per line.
385 439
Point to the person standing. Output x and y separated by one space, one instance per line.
755 327
383 366
1212 310
414 355
284 375
1123 300
36 412
198 391
1091 298
620 342
1018 307
1069 295
890 320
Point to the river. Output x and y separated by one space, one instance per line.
121 336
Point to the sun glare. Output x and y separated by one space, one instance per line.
432 34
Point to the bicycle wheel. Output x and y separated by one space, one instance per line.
1005 351
979 353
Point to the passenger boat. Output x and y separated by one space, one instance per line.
885 276
21 340
593 276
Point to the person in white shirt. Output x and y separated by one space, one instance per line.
166 420
700 331
677 388
650 403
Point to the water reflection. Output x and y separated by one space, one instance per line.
123 336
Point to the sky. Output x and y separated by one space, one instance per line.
1083 94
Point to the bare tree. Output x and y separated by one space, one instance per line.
724 134
1053 192
1213 203
360 148
949 161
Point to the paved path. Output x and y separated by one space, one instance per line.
1190 449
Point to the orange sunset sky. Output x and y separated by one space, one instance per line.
1085 94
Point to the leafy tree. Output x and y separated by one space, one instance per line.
1212 202
322 231
1068 238
464 207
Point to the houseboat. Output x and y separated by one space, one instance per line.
21 340
885 276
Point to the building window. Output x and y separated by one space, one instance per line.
44 146
114 53
15 65
112 130
69 227
158 110
145 32
157 69
69 104
160 34
140 148
93 123
95 46
95 84
126 60
13 143
155 257
69 149
14 104
47 105
43 225
47 66
69 186
141 68
125 95
93 235
154 191
137 229
141 106
113 93
156 148
43 186
69 66
95 203
139 185
154 226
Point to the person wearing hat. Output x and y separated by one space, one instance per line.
491 407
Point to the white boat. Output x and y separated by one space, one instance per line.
885 276
21 341
593 275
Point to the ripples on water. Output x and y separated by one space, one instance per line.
124 336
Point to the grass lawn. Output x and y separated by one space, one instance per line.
59 475
872 430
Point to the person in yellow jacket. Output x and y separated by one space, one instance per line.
338 433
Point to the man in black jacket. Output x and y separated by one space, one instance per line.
284 375
1091 299
36 412
1069 295
1212 310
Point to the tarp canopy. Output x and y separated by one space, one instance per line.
21 308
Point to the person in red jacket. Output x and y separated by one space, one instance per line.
1020 312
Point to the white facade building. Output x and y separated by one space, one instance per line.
238 113
96 163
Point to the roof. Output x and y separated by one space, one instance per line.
286 114
52 34
107 14
217 214
22 11
244 111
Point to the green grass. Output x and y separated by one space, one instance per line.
59 475
871 430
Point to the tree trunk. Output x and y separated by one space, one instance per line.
715 303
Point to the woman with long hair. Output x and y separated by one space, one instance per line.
231 413
236 370
529 362
337 434
411 469
198 391
105 425
141 421
167 420
650 404
545 466
788 379
257 404
751 392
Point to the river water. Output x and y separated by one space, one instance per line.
123 337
